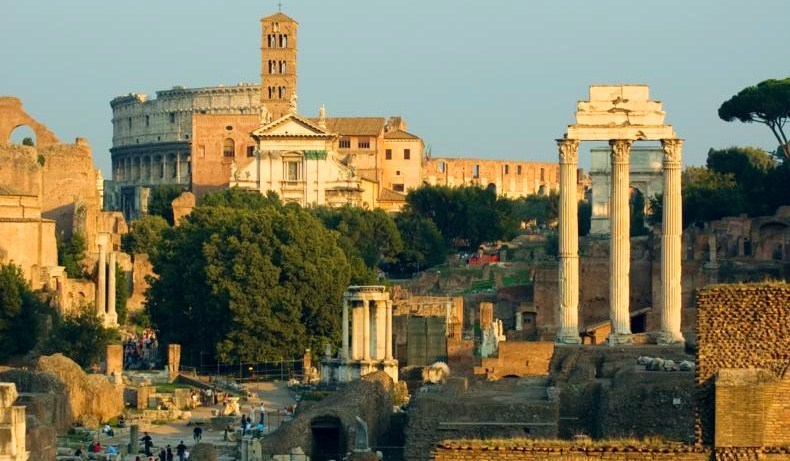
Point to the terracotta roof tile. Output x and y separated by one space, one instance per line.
389 195
353 126
279 16
400 134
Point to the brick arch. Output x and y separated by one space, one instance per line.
12 116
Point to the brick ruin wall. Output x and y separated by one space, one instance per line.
509 451
740 327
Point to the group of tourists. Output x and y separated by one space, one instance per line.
140 351
167 453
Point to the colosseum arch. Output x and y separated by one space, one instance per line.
13 116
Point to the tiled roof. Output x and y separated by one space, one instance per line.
279 16
389 195
399 134
353 126
368 174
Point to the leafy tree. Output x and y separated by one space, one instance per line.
239 198
542 210
750 168
638 214
160 201
466 216
28 141
708 195
70 253
370 235
423 245
768 103
20 312
121 294
145 235
584 212
249 284
81 336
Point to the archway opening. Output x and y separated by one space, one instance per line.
22 135
328 441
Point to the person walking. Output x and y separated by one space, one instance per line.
181 451
197 433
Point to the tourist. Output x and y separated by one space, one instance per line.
162 454
147 443
78 453
169 453
181 450
262 409
108 430
95 447
197 433
112 452
243 424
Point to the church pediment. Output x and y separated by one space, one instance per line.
291 125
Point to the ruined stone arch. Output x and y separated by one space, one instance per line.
12 116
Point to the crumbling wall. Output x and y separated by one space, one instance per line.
740 326
443 413
498 450
370 398
91 398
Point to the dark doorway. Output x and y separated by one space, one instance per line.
328 440
639 323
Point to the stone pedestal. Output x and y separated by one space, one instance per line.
114 360
568 332
173 360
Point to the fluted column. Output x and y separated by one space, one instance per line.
671 232
388 332
620 246
344 349
366 330
381 329
101 294
568 332
112 314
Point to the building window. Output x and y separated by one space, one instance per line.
229 148
397 187
363 143
172 117
542 174
506 169
518 169
250 151
406 154
441 167
388 154
292 170
130 123
476 171
345 143
397 173
147 120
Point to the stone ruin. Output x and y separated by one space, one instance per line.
12 426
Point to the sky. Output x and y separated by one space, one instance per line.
496 79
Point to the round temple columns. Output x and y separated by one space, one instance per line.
568 332
671 230
620 246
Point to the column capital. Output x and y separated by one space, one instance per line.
569 150
673 150
621 150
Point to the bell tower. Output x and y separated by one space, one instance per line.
278 66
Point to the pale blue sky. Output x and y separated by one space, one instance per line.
489 79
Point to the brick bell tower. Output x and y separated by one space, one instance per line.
278 66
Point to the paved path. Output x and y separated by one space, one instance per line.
274 395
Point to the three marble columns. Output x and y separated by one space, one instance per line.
620 243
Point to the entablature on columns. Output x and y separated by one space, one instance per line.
631 132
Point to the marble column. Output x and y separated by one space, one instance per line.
101 294
344 349
671 232
356 330
568 332
388 332
381 329
163 178
366 330
620 243
178 167
112 314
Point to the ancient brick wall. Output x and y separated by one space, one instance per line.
512 179
488 451
435 416
740 326
211 169
519 358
